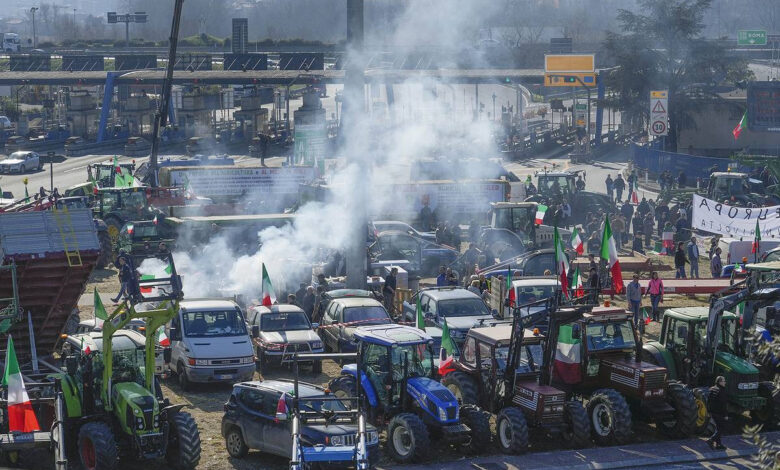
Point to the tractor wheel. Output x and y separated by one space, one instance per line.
235 444
512 431
97 447
702 414
106 250
478 422
114 225
768 415
610 417
462 386
577 431
344 386
183 442
316 367
686 411
407 438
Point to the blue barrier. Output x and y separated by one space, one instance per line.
694 166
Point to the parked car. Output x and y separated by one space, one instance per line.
345 314
280 331
250 420
380 226
462 308
424 257
21 162
328 296
210 343
96 324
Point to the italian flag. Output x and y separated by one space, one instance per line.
420 318
446 357
510 291
162 338
609 253
149 277
561 263
21 417
576 242
281 406
540 210
119 179
576 283
267 290
740 126
756 238
567 357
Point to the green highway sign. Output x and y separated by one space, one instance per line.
582 107
751 38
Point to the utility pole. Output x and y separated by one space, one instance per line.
74 24
35 37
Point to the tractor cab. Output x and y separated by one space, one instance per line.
553 185
736 188
104 173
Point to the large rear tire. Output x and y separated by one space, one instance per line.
106 250
512 431
183 442
407 438
478 422
577 432
610 417
344 386
462 386
685 411
97 447
702 413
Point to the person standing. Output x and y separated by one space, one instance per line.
679 262
441 279
308 302
631 183
693 257
656 290
594 286
648 224
610 187
388 290
620 186
638 223
580 183
618 227
634 297
717 404
125 276
716 265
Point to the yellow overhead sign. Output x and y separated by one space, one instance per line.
662 94
570 79
582 63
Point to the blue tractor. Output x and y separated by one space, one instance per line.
396 373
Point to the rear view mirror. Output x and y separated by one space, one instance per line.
173 334
255 331
167 354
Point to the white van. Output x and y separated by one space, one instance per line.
734 249
210 343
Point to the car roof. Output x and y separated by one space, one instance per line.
729 173
389 222
499 333
510 205
345 293
305 389
450 293
535 281
90 339
206 305
694 313
358 302
389 334
278 308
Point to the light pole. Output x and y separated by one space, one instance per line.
494 106
74 23
35 39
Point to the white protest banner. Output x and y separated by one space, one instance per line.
731 221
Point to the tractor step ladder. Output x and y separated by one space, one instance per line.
69 242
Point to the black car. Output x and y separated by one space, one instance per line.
250 420
344 315
424 256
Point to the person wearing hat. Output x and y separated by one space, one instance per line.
717 404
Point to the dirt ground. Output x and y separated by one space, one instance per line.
206 402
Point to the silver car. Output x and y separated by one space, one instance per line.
280 331
21 162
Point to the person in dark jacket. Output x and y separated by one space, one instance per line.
594 286
679 261
125 276
717 404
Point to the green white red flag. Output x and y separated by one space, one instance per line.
567 357
21 416
540 211
576 242
561 263
446 354
740 126
576 284
510 291
268 294
756 239
162 338
610 254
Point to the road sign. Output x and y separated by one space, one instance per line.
578 63
756 37
659 112
569 79
581 107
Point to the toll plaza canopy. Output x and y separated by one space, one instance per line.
271 77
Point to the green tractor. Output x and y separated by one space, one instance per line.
697 344
114 405
117 206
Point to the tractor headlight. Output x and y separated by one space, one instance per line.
748 386
337 440
139 422
156 421
442 414
372 437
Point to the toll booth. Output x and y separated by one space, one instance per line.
302 61
82 112
249 61
82 62
192 62
134 62
30 63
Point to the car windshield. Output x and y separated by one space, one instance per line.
555 185
366 315
420 359
213 323
141 231
613 335
311 404
528 294
284 321
463 308
772 256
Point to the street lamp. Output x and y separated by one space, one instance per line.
74 23
494 106
35 39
